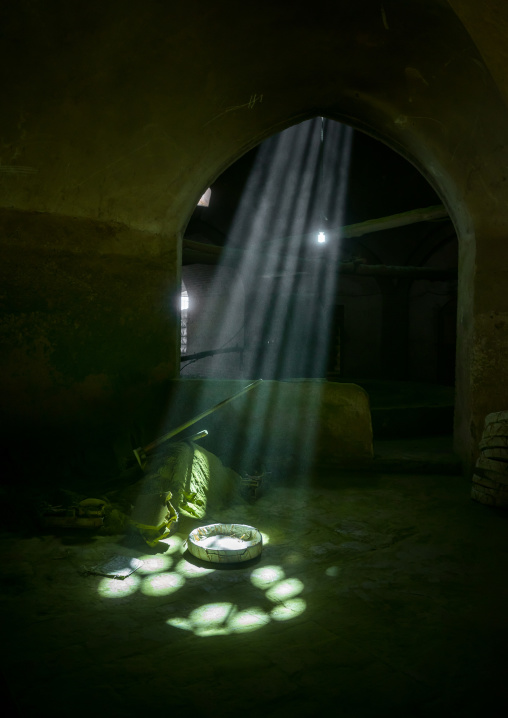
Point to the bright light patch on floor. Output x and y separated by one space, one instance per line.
212 630
211 613
249 620
332 571
182 623
113 588
189 570
162 584
222 619
289 588
212 619
265 537
174 544
296 184
266 576
288 610
154 564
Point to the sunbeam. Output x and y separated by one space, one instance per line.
288 279
274 290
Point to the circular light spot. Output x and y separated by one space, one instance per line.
182 623
289 588
249 620
155 564
212 614
265 576
332 571
174 543
113 588
212 630
162 584
288 610
189 570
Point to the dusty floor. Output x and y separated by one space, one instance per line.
375 595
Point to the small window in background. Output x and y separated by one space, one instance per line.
205 199
184 307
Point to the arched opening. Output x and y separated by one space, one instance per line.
384 326
115 118
214 321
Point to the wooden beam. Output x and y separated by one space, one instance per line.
211 253
392 221
214 250
234 257
383 270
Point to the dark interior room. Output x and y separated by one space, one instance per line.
254 329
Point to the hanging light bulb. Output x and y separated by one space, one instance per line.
321 238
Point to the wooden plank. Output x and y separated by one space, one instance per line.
500 467
497 416
494 442
202 253
490 479
478 494
402 219
71 522
383 270
392 221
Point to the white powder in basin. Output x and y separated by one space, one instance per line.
222 542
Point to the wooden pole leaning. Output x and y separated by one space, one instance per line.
141 453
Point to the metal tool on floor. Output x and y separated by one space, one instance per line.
141 453
88 513
251 484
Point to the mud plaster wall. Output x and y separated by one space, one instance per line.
117 116
86 335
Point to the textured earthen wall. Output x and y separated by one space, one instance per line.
284 425
86 335
122 113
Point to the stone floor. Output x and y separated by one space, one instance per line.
422 455
375 595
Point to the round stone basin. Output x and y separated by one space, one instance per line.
225 543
